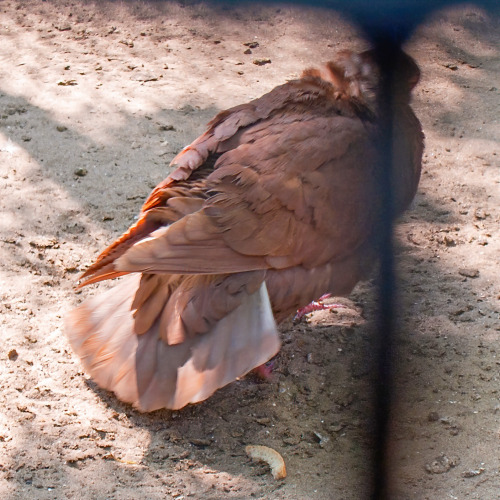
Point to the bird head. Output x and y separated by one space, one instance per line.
357 75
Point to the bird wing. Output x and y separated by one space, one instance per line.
286 123
274 202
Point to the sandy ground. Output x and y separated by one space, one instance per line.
95 100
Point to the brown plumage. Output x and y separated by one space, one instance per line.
273 206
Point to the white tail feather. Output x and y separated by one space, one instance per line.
145 371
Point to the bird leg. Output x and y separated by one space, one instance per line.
265 370
316 305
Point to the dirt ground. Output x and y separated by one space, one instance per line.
95 100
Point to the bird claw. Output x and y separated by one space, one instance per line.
264 371
316 305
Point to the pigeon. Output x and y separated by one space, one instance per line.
273 206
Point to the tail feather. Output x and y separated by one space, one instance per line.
147 372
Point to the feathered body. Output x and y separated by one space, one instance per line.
273 206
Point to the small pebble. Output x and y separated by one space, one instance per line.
321 439
81 172
166 128
262 61
263 420
292 440
473 472
468 272
201 443
337 427
433 416
442 464
480 214
145 77
67 83
449 241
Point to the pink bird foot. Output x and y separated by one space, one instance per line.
265 371
316 305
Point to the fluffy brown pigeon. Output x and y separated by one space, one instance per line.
273 206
